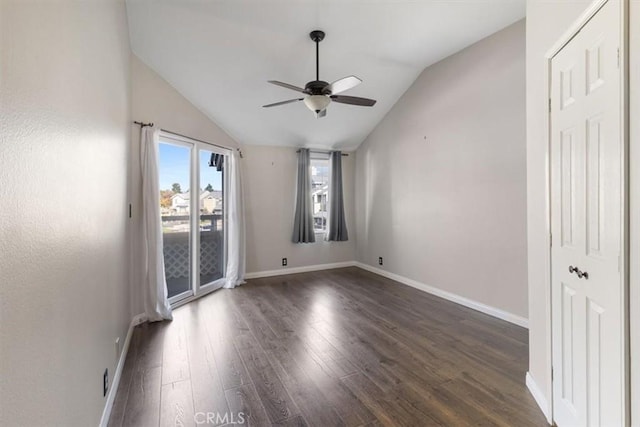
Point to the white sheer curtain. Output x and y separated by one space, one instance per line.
235 225
156 304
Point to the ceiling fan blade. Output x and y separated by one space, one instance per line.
282 102
341 85
322 113
353 100
287 85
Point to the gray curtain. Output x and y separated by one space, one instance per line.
303 221
337 224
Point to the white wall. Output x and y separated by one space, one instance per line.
154 100
440 183
546 22
270 180
63 245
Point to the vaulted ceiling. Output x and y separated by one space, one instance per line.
219 54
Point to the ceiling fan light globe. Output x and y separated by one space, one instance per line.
317 103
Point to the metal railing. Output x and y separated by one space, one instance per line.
215 219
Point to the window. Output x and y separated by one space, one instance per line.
319 192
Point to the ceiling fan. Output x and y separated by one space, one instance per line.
319 94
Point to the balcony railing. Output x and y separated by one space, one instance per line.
177 250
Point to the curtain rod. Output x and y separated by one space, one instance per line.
142 125
324 152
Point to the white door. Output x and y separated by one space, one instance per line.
586 225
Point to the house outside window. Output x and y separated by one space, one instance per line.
319 192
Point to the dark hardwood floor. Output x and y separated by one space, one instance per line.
330 348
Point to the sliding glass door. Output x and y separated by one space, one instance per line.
193 221
212 221
175 201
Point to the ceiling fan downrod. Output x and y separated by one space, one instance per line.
317 36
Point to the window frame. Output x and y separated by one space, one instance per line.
315 156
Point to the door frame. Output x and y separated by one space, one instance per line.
634 177
634 204
568 35
198 289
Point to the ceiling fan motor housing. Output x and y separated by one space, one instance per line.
316 87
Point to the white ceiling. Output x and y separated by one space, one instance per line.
220 53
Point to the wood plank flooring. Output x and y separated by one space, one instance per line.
334 348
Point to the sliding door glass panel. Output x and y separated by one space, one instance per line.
175 199
211 221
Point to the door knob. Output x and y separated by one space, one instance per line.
583 274
580 274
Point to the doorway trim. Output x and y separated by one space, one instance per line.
633 52
197 288
567 36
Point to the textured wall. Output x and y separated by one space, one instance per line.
63 245
441 181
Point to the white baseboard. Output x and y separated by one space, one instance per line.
539 397
483 308
113 388
294 270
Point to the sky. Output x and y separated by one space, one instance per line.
174 167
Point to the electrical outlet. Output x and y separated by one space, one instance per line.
105 382
117 348
380 260
284 262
